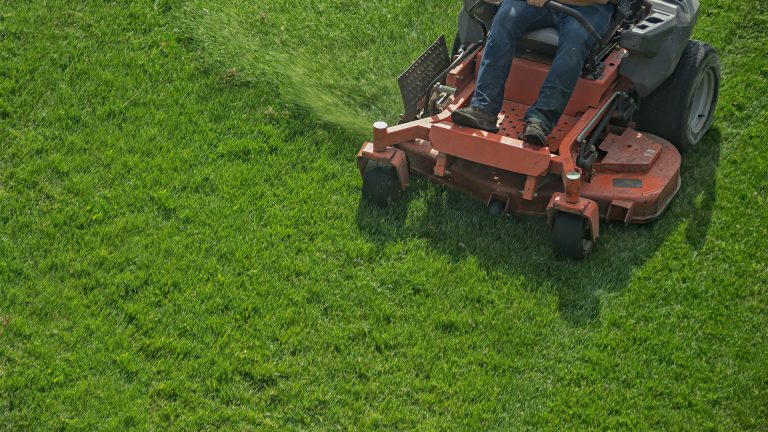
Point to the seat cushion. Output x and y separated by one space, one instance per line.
543 40
546 35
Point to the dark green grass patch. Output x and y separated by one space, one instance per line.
182 245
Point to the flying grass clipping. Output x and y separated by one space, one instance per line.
335 59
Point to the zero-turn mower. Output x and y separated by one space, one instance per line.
647 94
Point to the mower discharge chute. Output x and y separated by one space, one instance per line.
647 93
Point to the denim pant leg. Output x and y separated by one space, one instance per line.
514 18
575 46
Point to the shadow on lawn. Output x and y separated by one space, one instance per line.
459 227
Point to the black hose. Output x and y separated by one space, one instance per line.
559 7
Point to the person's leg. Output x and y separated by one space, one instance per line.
575 45
515 18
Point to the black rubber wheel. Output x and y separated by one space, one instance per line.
570 236
496 208
380 184
681 110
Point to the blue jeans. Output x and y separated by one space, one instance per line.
515 18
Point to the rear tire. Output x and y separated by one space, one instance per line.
570 236
380 184
681 110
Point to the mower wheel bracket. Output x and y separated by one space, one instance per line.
441 165
529 190
390 156
583 207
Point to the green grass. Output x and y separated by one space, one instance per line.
183 246
337 59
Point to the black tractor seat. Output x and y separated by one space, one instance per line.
544 40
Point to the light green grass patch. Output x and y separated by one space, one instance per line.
338 59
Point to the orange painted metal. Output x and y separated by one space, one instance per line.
650 191
484 182
568 146
620 211
572 182
463 74
405 132
490 149
512 122
527 76
631 152
441 164
530 187
380 132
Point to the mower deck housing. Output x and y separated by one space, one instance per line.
632 181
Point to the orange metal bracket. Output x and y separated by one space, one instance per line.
584 207
391 156
441 164
620 210
490 149
530 187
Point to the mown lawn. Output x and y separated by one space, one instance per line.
183 246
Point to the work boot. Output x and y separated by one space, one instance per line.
475 118
534 133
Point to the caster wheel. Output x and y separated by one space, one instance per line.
380 184
571 237
496 208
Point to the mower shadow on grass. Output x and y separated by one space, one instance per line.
509 246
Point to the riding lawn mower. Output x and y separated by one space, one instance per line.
647 94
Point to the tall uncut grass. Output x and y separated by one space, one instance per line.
337 59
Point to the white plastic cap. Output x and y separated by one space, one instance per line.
572 175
